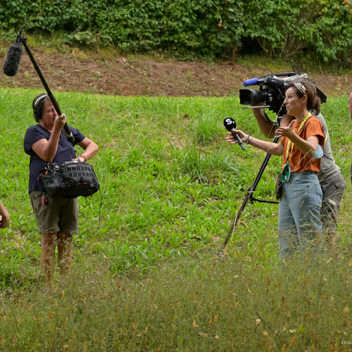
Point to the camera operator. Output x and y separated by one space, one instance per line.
330 177
4 217
300 228
57 218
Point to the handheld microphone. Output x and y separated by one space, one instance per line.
13 58
229 124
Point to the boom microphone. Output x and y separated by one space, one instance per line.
13 58
229 124
12 64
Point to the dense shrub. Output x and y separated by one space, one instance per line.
285 28
193 28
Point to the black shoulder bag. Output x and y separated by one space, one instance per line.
69 180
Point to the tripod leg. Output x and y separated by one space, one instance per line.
233 226
249 195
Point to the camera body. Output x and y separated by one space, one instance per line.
271 91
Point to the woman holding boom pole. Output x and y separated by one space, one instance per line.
57 218
300 229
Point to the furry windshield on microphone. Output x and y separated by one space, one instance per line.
13 58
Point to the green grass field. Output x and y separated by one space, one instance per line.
146 272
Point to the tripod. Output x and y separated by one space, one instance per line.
249 196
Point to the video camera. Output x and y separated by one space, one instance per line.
272 91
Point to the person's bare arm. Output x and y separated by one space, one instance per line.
4 217
269 147
307 147
266 127
90 149
46 149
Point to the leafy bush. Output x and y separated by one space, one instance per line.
199 28
211 28
286 28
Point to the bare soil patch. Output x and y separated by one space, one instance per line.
96 72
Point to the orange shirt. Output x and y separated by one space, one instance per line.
300 162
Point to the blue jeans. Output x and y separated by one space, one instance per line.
300 229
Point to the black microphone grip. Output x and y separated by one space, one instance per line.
238 139
230 124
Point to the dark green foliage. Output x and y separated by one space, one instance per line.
179 26
204 28
192 29
286 28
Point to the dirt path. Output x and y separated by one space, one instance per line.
137 75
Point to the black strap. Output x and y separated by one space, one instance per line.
65 135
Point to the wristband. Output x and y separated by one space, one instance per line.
248 139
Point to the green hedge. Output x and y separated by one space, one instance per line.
193 28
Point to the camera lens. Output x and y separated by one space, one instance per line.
251 96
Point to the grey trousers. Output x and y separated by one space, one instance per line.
333 189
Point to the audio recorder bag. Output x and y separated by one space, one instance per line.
69 180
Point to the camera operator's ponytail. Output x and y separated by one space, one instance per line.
306 87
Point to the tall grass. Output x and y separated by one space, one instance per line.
192 304
146 274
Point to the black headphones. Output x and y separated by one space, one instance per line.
36 112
